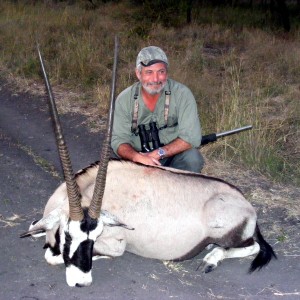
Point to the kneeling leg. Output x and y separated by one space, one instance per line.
212 259
111 243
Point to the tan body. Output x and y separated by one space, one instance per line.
172 212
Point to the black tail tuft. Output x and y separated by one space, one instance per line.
265 254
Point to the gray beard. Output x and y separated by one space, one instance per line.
155 91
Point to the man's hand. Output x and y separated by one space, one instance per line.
150 158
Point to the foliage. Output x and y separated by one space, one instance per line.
239 74
169 13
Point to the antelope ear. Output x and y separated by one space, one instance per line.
38 228
33 232
111 220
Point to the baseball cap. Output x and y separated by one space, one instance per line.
151 55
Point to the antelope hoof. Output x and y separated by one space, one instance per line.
206 267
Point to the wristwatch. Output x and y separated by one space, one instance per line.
162 153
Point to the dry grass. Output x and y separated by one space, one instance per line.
238 76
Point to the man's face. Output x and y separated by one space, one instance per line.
153 78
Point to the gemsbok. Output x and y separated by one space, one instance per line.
114 206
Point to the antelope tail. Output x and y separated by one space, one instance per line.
265 254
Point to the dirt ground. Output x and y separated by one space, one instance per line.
30 171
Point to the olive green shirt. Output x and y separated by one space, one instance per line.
183 121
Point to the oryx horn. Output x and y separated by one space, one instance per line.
95 207
76 212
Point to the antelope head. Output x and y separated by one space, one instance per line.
80 228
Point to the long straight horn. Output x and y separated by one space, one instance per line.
76 212
95 207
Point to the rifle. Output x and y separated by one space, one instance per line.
210 138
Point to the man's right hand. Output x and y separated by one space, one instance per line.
148 159
126 151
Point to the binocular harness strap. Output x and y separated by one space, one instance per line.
167 106
135 109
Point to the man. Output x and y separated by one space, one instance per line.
159 113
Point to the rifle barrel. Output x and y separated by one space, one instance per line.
210 138
233 131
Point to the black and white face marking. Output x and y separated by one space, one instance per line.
53 255
78 241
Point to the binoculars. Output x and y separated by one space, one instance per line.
149 136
